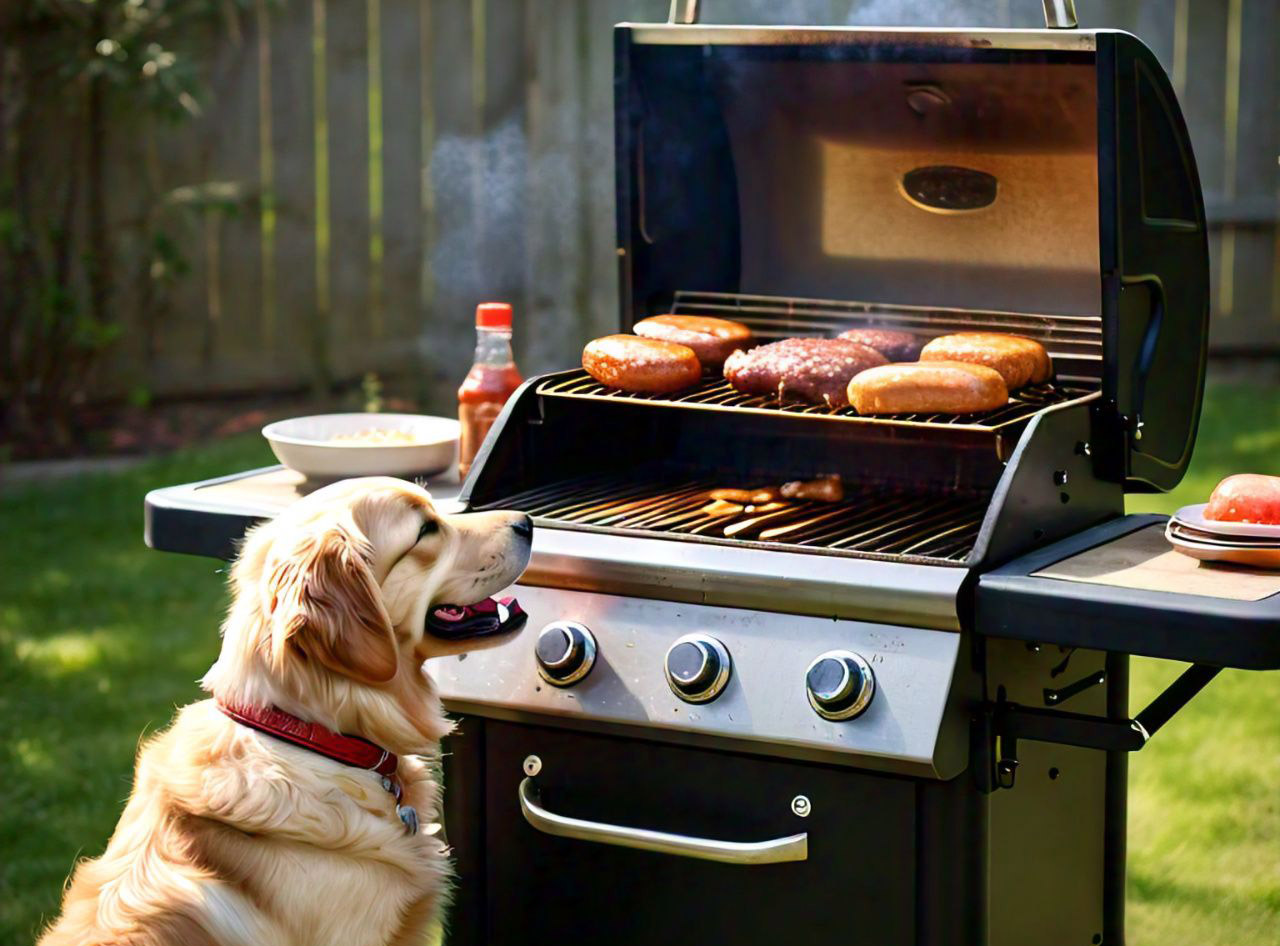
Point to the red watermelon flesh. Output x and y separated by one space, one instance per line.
1246 497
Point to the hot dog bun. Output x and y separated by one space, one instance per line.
712 340
1019 360
937 387
641 364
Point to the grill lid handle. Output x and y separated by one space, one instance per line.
1060 14
686 11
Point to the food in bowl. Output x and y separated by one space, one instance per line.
376 437
332 446
1246 497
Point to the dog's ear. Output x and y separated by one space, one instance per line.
323 602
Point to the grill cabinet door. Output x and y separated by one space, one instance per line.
857 885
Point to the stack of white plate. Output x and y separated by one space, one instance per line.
1211 540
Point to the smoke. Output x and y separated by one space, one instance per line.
479 187
931 13
874 12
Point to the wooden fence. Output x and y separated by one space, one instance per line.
366 170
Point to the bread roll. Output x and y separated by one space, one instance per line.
1019 360
936 387
712 340
641 364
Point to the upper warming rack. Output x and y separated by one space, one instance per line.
1074 341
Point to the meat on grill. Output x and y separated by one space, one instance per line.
893 344
812 369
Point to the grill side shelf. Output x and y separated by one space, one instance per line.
1013 602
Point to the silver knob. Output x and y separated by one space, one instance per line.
697 667
565 652
840 685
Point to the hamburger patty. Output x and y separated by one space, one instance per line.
812 369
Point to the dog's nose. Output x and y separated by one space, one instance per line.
523 527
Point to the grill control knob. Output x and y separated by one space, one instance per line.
840 685
565 652
698 667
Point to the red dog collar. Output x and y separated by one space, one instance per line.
349 750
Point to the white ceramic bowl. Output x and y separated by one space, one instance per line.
308 444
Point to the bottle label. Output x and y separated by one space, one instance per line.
476 420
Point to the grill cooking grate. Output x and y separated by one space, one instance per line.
1074 341
715 393
868 522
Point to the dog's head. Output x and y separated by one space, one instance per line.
329 607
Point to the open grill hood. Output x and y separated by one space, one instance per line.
1045 175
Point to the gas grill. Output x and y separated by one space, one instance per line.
901 718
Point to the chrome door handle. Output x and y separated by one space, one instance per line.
774 851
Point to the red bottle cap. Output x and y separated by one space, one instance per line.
493 315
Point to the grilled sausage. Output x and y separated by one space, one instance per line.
641 364
827 489
813 369
712 340
1019 360
932 387
893 344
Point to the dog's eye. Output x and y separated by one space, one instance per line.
429 527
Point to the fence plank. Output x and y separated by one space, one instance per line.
502 157
402 179
293 138
348 121
238 352
1254 181
446 338
555 189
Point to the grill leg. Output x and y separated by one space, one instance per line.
1115 844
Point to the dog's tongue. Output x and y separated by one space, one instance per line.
490 616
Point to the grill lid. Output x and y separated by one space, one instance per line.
1039 172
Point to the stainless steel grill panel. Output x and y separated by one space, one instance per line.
935 528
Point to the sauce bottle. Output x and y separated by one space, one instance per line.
492 379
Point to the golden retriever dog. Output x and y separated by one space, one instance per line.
235 837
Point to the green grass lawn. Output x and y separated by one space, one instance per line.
100 639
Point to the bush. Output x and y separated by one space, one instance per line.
73 76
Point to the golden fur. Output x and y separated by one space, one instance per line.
235 838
